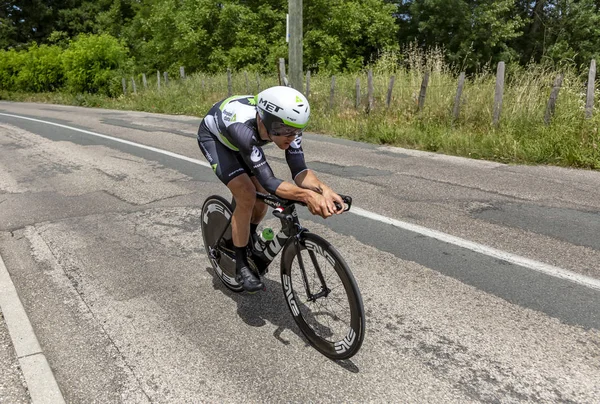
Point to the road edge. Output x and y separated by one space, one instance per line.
38 375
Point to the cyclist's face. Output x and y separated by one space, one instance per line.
283 142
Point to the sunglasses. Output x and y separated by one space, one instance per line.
279 129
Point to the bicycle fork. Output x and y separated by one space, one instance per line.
324 292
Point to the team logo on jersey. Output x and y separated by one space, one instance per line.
296 143
256 154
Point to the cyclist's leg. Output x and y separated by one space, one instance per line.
260 208
235 176
244 193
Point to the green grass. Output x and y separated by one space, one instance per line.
522 137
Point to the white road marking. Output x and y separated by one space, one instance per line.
115 139
38 375
447 238
483 249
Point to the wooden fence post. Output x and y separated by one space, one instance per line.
158 78
124 86
166 77
371 91
182 72
307 84
499 94
144 80
553 97
229 83
390 89
283 81
357 92
423 91
332 92
589 103
459 90
133 84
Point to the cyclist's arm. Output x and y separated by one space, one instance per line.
308 180
294 155
245 139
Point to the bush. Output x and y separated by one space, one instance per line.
40 69
10 64
93 63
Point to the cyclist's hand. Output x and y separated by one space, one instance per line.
331 198
318 205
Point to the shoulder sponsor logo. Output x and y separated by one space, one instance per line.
256 154
259 165
297 143
227 116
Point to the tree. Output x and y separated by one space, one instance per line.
472 32
573 31
345 35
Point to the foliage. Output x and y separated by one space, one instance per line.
522 137
10 64
472 32
575 31
202 35
92 64
345 35
40 69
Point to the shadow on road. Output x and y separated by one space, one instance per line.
269 306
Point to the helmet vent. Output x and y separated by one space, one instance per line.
296 111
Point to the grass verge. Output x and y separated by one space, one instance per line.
569 140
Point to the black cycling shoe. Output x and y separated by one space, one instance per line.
250 282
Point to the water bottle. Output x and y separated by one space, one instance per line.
267 235
261 239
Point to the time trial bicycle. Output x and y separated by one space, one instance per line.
319 287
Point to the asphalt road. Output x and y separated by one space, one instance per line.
103 244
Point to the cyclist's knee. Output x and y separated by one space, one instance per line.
243 191
260 207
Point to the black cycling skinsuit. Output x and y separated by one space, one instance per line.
228 138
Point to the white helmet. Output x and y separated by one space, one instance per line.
283 110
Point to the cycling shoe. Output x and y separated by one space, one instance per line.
250 282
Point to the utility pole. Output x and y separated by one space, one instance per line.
295 44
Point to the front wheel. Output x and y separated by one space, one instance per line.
323 296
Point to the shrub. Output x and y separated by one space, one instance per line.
40 69
92 64
10 64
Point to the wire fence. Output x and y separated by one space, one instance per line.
413 90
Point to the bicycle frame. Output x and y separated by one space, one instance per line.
291 232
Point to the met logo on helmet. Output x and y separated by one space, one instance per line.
269 106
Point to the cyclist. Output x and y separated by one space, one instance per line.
231 137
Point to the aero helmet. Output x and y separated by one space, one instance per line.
283 110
